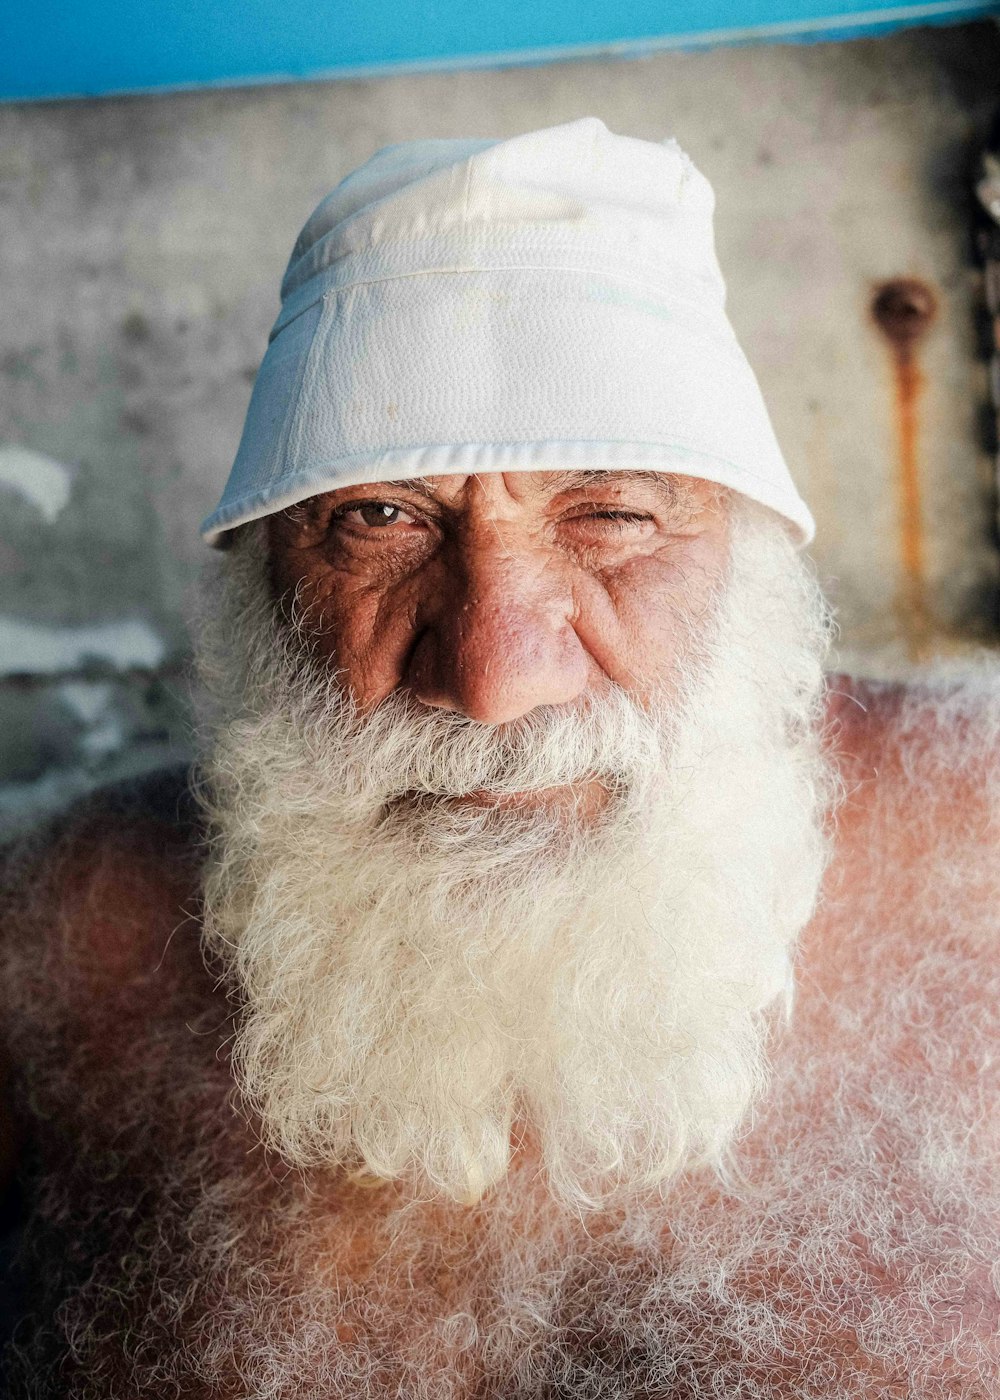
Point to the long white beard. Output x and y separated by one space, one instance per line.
424 982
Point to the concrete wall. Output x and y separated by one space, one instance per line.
143 241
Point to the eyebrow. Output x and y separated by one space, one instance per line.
581 480
666 486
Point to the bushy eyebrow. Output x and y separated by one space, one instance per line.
668 488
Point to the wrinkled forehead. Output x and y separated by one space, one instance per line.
529 489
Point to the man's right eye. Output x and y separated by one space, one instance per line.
380 514
374 515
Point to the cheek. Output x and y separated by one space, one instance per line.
354 623
640 623
365 631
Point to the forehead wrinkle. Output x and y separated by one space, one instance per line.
559 482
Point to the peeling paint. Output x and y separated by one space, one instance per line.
92 703
30 648
41 480
86 699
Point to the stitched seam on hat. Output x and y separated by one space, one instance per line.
465 235
658 269
611 275
523 267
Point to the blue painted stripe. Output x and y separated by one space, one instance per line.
85 48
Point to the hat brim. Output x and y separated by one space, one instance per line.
460 371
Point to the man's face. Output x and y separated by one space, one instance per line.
516 803
492 595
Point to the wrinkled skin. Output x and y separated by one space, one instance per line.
494 594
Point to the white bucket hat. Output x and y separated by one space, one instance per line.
552 301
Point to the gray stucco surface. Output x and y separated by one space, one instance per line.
141 247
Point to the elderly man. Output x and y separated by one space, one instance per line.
556 987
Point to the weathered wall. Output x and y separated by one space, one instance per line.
143 241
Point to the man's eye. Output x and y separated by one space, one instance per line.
615 519
374 514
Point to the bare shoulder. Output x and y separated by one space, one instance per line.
898 978
99 949
98 894
915 868
926 751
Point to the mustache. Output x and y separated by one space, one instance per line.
403 750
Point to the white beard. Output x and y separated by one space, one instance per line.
424 984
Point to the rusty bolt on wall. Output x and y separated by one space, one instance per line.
903 309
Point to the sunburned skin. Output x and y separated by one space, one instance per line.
497 593
492 594
849 1250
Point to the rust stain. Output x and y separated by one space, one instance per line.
903 310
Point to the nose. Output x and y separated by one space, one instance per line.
499 642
